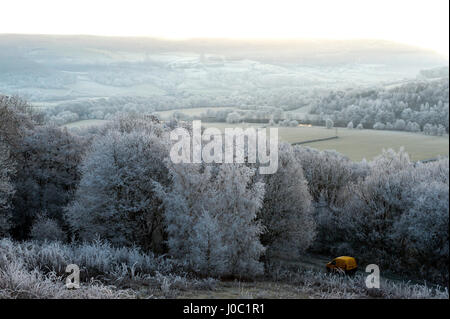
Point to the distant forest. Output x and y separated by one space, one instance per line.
417 106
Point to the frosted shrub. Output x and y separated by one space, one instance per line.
47 229
379 126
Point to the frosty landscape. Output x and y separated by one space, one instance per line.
87 176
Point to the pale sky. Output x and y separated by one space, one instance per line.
423 23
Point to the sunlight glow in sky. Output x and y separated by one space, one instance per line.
423 23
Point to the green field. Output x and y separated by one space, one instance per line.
359 144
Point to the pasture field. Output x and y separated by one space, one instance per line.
359 144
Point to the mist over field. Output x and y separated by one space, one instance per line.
64 68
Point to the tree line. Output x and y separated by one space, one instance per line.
418 106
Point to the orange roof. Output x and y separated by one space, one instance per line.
345 258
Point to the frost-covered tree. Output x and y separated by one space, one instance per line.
412 127
389 126
329 174
116 195
16 117
433 130
379 126
374 203
329 123
293 123
211 218
287 212
421 233
400 125
284 123
427 129
233 118
6 189
441 130
47 175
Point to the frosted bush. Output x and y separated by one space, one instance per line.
379 126
47 229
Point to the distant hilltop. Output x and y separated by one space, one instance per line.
303 51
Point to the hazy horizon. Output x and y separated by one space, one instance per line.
406 22
230 39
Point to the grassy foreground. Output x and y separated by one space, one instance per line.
37 270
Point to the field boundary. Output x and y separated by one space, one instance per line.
315 140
